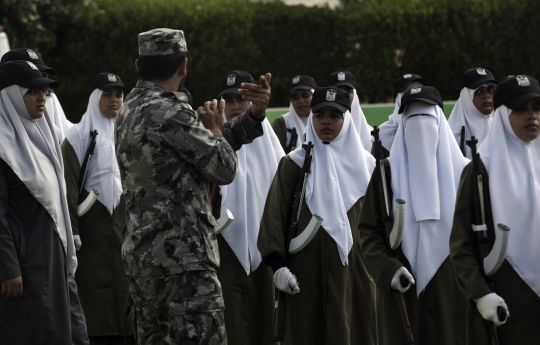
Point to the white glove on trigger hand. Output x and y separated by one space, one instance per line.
77 241
286 281
396 280
487 306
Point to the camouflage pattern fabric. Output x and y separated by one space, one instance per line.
185 309
167 159
162 42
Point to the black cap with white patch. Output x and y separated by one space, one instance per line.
332 97
426 94
26 55
302 82
342 79
230 82
25 74
515 91
401 84
476 77
106 80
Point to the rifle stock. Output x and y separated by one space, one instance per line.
385 198
277 331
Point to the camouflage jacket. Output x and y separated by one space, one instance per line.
167 159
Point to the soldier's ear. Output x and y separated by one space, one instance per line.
137 64
182 69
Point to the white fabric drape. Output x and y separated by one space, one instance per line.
246 195
57 116
31 148
103 173
360 123
337 180
426 166
293 120
513 168
465 114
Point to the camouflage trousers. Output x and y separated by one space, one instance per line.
185 308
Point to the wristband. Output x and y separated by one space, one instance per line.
254 118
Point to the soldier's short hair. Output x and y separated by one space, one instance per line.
160 67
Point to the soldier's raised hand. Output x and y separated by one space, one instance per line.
258 95
212 115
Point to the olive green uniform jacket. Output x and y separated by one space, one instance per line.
522 327
336 302
437 316
278 125
100 277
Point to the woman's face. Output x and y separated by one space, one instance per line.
35 103
111 101
327 123
235 105
483 99
526 121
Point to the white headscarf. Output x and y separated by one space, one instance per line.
103 173
57 116
246 195
360 123
293 120
426 166
513 168
31 148
337 180
466 114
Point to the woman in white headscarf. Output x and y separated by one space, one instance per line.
99 232
329 295
425 165
510 157
39 303
472 114
247 286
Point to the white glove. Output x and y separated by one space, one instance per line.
396 280
487 306
77 241
286 281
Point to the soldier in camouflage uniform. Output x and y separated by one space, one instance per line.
167 159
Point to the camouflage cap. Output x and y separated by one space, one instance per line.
162 42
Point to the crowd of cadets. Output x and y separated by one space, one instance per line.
64 198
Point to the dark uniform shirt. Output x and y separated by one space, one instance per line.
167 159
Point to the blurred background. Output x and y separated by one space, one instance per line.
377 40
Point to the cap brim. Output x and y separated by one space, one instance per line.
425 100
109 85
477 83
231 90
520 100
45 69
344 83
39 83
321 105
301 87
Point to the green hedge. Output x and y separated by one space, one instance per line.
376 40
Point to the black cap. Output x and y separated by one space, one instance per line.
302 82
27 55
106 80
189 97
401 84
476 77
426 94
330 96
25 74
515 91
230 82
342 79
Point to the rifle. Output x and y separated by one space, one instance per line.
292 141
293 243
393 229
489 261
84 206
462 140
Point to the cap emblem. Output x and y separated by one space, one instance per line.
111 77
415 90
296 79
331 95
341 76
481 71
231 79
32 65
523 80
32 54
407 76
